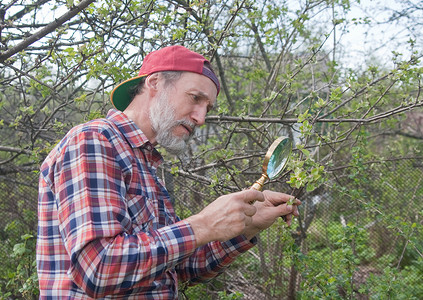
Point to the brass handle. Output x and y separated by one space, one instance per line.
258 185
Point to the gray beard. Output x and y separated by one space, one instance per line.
163 120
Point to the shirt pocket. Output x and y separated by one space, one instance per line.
142 213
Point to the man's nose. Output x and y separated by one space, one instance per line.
199 115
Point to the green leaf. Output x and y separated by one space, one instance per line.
306 152
331 280
27 236
19 249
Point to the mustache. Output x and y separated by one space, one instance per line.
188 124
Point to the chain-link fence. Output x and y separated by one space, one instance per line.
18 208
18 228
358 235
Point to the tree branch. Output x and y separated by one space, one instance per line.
13 149
372 119
46 30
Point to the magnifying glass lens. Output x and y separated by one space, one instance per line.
279 158
275 161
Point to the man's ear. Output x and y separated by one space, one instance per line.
152 82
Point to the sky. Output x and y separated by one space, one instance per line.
364 43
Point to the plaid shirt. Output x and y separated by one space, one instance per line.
106 224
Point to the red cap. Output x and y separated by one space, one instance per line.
172 58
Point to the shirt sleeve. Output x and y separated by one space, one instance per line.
95 224
212 259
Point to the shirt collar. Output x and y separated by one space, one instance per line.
133 134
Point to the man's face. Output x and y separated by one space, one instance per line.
164 122
179 108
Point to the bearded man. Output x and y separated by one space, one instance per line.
107 228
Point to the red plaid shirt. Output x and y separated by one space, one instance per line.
106 225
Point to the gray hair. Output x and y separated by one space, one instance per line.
170 77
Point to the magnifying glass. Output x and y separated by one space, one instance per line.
275 161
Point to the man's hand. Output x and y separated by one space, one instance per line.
274 206
228 216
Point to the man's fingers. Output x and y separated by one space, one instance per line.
288 219
250 210
250 196
280 198
288 211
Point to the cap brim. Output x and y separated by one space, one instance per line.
121 94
